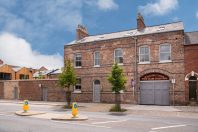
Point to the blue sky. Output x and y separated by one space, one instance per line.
35 31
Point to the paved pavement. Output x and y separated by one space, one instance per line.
144 110
103 107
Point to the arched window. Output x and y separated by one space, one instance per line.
96 82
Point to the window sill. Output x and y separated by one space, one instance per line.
142 63
96 66
120 64
77 91
168 61
78 67
121 91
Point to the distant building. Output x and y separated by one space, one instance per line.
6 72
10 72
46 74
42 69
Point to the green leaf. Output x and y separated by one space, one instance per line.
117 79
68 77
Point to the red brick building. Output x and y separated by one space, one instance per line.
191 66
152 56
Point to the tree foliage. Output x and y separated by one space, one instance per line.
68 77
117 79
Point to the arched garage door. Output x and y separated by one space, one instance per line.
154 89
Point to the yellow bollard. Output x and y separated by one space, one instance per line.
74 109
25 106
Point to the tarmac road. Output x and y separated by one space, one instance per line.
97 122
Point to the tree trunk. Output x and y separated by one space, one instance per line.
68 98
117 101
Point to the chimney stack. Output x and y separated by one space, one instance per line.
81 32
140 22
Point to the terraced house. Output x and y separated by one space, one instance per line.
152 58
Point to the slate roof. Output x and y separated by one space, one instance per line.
46 72
191 38
134 32
58 71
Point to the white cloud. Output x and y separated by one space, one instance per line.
47 16
39 20
197 14
17 51
107 4
41 16
160 7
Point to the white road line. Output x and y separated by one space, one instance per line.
108 122
81 124
165 127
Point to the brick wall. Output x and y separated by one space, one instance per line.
1 90
9 89
33 90
88 73
191 58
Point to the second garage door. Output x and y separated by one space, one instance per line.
154 92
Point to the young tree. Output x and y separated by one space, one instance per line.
67 79
117 81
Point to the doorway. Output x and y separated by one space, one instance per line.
45 94
16 93
96 91
154 89
192 88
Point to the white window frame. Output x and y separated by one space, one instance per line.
118 56
79 84
75 55
144 62
95 65
164 61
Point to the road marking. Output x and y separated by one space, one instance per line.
1 114
108 122
81 124
165 127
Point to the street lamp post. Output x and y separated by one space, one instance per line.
135 67
135 82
